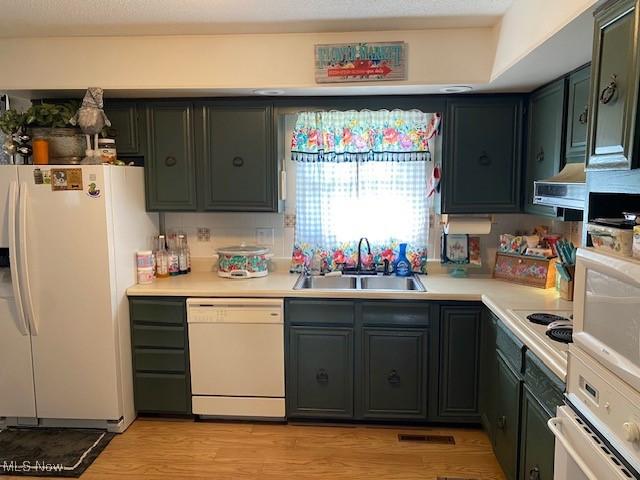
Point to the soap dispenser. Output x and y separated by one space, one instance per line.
403 266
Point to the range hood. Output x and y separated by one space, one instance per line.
566 190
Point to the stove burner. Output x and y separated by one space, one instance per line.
544 318
561 335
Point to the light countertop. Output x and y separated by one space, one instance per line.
506 300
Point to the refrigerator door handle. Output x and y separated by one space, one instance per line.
14 192
24 270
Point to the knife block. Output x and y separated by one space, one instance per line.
565 289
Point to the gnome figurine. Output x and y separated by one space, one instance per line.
91 118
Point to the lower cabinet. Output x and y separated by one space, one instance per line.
536 454
320 372
505 442
160 347
393 370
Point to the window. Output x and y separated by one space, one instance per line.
361 174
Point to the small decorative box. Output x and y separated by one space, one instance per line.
617 241
531 271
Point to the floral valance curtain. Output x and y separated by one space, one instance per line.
361 136
361 174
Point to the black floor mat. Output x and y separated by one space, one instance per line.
50 452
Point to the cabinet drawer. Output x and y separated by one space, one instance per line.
162 393
157 311
325 312
510 346
158 337
543 383
395 314
159 360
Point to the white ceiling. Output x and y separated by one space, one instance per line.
44 18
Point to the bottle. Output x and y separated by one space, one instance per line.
315 265
403 266
162 259
182 255
174 259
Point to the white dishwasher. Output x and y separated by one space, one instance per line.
236 348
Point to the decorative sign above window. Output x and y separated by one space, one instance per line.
361 62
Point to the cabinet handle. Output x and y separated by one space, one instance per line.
484 159
170 161
502 422
237 161
534 473
393 378
609 91
540 155
322 376
584 116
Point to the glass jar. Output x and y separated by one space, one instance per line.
107 150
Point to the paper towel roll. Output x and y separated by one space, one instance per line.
469 225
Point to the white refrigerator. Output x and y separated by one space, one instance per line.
65 351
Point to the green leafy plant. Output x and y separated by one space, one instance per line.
50 115
11 121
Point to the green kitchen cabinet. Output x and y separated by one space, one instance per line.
577 115
170 169
482 155
237 154
508 393
460 343
127 128
612 142
488 369
393 372
160 348
319 374
537 441
545 152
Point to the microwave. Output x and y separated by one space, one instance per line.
607 312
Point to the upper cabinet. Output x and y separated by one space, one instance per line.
614 88
211 156
545 145
481 164
577 115
127 127
170 163
237 155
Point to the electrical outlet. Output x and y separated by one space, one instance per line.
289 221
264 236
204 234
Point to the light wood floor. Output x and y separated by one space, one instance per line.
175 449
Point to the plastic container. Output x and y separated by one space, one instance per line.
40 151
145 275
402 265
144 259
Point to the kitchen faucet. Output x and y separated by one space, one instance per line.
359 264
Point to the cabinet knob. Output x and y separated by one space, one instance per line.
170 161
540 155
322 376
393 378
534 473
584 116
608 92
237 161
484 159
502 422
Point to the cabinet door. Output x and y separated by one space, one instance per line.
614 87
508 392
126 128
488 369
320 372
545 148
169 165
538 443
394 373
459 362
238 158
578 115
482 155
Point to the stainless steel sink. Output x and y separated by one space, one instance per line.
391 283
359 282
326 283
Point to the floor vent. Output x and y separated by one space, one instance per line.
439 439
